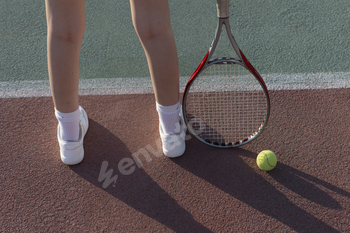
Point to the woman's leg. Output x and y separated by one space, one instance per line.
65 30
151 20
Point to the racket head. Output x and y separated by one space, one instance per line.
225 104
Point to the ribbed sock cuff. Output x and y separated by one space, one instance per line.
69 124
169 117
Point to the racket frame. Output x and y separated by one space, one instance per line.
223 16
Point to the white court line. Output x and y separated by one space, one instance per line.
117 86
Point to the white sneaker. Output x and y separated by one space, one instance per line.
174 144
72 152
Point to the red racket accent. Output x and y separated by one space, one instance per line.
197 71
250 66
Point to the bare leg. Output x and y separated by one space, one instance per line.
65 30
151 20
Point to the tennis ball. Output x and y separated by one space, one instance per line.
266 160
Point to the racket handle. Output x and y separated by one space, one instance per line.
223 8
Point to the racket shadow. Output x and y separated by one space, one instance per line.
201 128
226 170
138 190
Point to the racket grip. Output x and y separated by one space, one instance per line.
223 8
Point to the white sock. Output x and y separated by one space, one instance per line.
69 124
169 117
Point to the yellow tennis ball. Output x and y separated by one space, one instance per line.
266 160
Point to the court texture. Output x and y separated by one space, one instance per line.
300 47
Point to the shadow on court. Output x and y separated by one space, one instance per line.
206 190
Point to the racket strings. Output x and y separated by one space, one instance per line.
226 104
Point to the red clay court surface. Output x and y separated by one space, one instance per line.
206 190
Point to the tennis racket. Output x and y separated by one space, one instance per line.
225 102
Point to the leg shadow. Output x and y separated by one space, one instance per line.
137 189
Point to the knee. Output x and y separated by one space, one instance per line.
148 30
70 33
